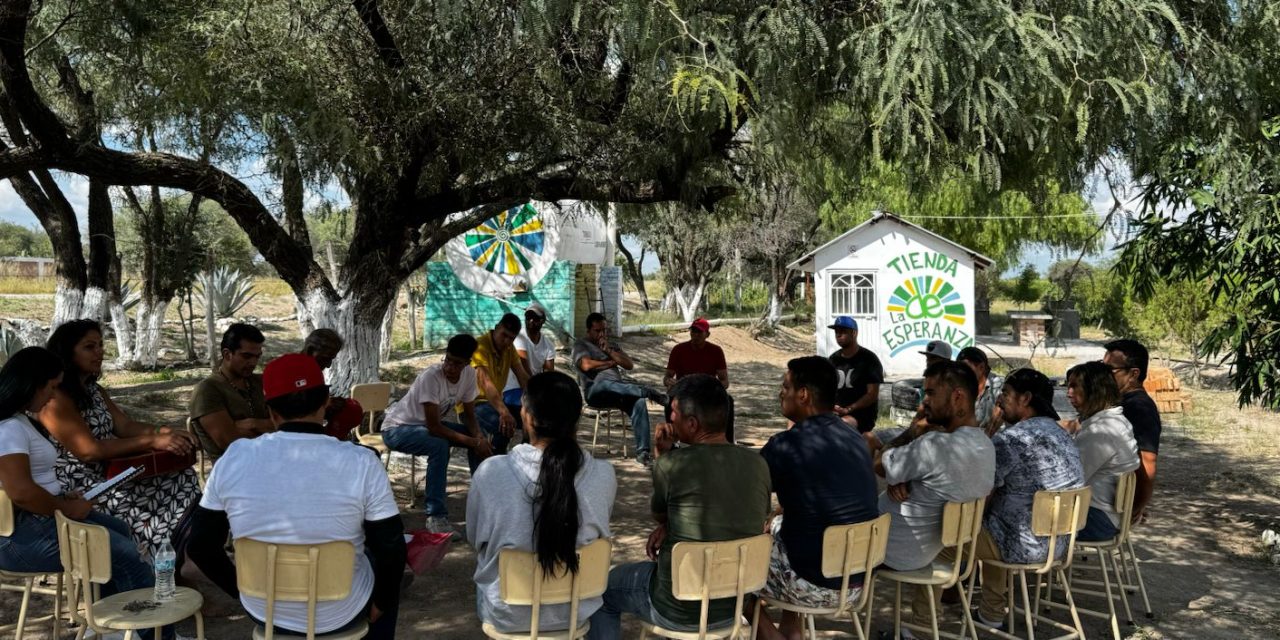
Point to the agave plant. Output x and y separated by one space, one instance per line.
10 343
226 289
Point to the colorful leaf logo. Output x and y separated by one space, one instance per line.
505 243
927 298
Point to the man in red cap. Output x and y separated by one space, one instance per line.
699 356
297 485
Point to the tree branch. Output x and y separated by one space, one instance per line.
372 19
435 239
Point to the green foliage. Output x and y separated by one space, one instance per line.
214 236
1027 287
227 290
17 240
1182 314
1212 191
1000 224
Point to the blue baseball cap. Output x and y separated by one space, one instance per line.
844 322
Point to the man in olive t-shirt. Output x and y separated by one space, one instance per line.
229 404
707 491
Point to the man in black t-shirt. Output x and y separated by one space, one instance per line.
822 473
1128 361
858 377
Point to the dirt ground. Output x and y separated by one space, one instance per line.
1204 564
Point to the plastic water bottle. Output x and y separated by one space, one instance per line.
165 562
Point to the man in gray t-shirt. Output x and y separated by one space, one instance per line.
599 364
939 460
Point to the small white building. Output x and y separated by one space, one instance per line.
904 284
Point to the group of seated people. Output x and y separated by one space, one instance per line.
282 476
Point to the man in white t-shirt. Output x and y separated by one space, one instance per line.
425 423
537 353
944 458
298 485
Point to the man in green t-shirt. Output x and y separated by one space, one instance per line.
707 491
229 404
494 360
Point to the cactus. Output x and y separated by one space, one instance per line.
226 289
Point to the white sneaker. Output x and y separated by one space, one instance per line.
441 524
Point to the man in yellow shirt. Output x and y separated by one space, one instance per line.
494 359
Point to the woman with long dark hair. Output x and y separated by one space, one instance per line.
89 430
27 459
547 496
1105 439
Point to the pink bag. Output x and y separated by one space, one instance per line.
425 550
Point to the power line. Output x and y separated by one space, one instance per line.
996 217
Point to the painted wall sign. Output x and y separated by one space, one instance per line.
926 305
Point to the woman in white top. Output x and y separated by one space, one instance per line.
547 496
1105 439
27 459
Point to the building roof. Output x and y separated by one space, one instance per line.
805 263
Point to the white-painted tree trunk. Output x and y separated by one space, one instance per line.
149 328
359 359
668 300
95 304
690 303
774 313
388 325
68 303
305 325
123 331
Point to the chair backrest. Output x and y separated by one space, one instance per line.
1126 488
373 397
85 552
961 523
521 581
708 570
6 514
850 549
1059 513
309 573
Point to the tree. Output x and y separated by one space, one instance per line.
1211 199
434 115
1026 287
689 243
1183 312
17 240
999 222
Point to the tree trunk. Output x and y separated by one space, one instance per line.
333 264
104 261
150 325
413 318
668 301
633 270
737 279
690 302
213 352
357 317
388 325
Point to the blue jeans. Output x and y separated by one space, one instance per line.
628 396
415 439
1097 527
628 592
34 547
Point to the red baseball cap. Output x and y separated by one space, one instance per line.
291 373
701 325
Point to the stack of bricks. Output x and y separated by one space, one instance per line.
1166 390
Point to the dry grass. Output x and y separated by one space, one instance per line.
14 284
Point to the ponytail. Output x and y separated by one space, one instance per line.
555 518
555 404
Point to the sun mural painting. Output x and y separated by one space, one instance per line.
507 253
927 298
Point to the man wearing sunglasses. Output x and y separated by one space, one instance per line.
1128 360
